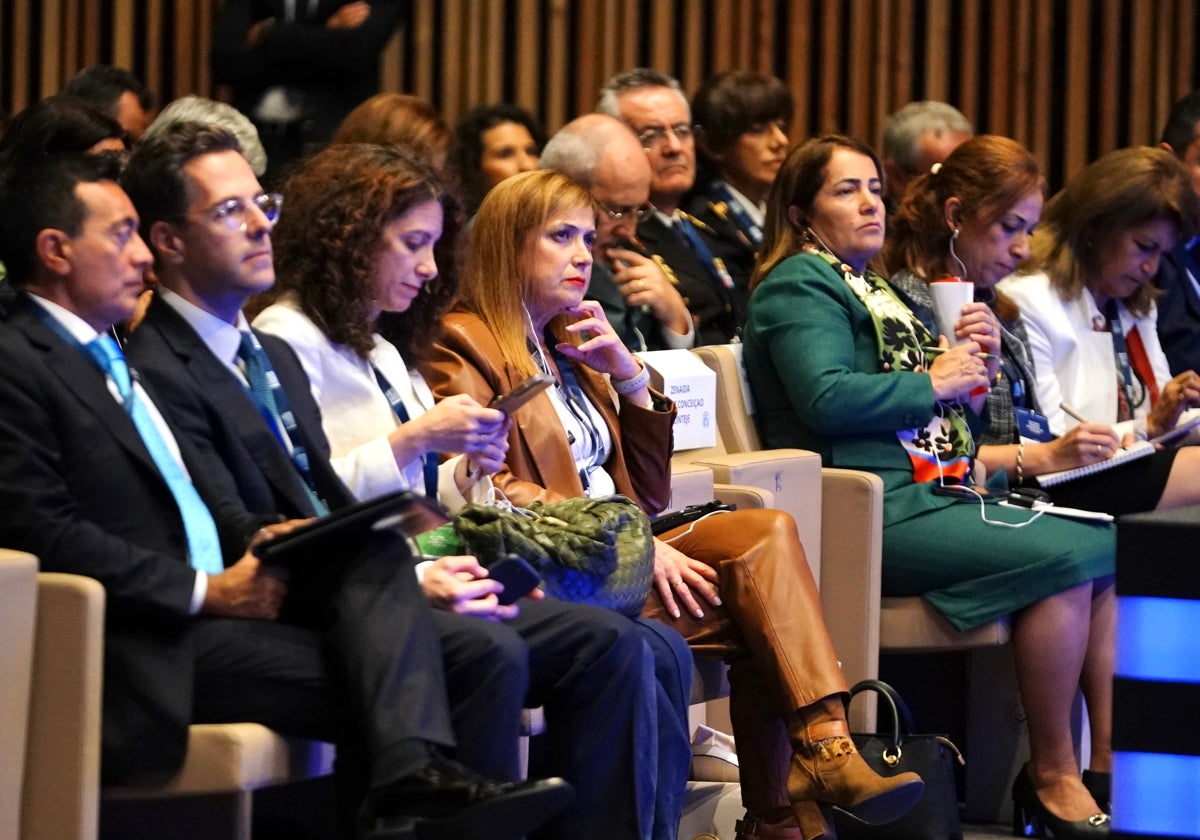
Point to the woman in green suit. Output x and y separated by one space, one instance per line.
838 364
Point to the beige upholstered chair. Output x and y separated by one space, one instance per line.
224 765
18 609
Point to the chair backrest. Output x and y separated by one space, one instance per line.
62 770
735 416
18 610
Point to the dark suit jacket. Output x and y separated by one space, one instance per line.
735 246
217 415
1178 313
637 329
79 489
336 68
718 312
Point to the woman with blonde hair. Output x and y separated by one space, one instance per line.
741 578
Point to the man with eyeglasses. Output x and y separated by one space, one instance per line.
641 303
98 479
652 104
583 664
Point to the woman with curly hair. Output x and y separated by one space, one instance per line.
360 246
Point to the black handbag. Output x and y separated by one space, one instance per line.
935 816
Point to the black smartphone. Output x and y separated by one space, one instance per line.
523 393
517 576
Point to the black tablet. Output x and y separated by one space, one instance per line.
404 511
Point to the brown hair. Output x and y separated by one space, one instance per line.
1122 189
799 181
495 283
328 236
988 175
396 119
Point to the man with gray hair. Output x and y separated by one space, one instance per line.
915 138
602 154
198 109
652 104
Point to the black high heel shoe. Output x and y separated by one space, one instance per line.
1031 818
1099 785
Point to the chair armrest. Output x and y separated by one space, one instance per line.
691 484
18 608
62 779
792 475
743 496
851 570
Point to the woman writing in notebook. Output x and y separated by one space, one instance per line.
840 365
1087 305
974 217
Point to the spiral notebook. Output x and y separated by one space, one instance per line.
1138 450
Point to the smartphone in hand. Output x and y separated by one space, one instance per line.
523 393
517 576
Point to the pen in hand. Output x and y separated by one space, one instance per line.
1072 412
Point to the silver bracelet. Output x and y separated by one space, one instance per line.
634 383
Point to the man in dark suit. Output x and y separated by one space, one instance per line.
297 67
653 105
1179 271
638 297
584 664
96 481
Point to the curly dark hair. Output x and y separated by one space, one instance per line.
335 208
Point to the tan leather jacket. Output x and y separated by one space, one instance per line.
467 360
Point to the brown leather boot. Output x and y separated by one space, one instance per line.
826 767
802 821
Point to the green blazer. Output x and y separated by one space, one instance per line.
813 362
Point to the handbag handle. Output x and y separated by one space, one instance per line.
902 721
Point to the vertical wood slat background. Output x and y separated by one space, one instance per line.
1071 79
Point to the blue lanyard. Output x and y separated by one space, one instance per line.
429 461
714 265
1121 354
747 225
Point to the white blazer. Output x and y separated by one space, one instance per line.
356 416
1074 363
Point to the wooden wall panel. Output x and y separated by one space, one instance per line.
1069 78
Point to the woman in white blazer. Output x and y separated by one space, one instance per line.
1088 306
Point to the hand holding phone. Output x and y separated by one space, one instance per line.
517 576
523 393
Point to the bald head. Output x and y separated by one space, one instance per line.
603 154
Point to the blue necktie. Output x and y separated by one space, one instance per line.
204 546
263 388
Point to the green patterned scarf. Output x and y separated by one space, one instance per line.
943 449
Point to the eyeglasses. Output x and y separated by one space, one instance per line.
619 213
234 213
654 135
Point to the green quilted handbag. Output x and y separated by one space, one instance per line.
589 551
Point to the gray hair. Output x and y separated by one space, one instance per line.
639 77
197 109
573 154
904 128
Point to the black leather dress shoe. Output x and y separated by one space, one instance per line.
446 801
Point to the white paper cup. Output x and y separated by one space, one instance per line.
950 295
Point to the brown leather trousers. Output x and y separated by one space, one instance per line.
770 630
